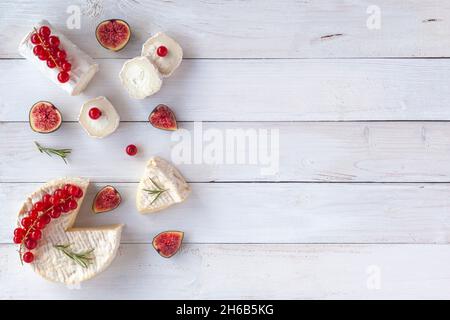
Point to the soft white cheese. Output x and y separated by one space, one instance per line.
51 263
140 77
103 126
166 177
83 67
169 63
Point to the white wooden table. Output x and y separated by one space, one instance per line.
360 207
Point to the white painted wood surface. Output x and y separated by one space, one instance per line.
330 235
288 90
250 29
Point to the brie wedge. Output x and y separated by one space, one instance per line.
161 186
103 126
140 77
83 67
167 64
54 265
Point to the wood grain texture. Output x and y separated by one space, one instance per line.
250 29
275 90
250 272
318 152
271 213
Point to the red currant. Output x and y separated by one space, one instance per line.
26 222
53 41
45 218
19 232
37 50
55 199
72 204
40 224
44 31
61 54
67 187
95 113
36 235
43 56
30 244
65 207
162 51
66 66
17 239
131 150
79 194
28 257
51 63
63 77
56 212
46 199
73 190
38 206
33 214
60 193
35 39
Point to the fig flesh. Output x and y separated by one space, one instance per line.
162 117
113 34
44 117
107 199
168 243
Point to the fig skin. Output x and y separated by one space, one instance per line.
117 194
163 108
180 234
125 41
30 117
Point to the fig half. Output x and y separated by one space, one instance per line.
44 117
163 118
168 243
113 34
107 199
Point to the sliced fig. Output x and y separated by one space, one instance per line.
107 199
168 243
113 34
44 117
163 118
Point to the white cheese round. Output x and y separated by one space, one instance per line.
103 126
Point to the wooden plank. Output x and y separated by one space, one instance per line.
254 90
250 29
324 152
229 271
272 213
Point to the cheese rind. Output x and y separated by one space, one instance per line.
140 77
103 126
169 63
166 177
51 263
83 66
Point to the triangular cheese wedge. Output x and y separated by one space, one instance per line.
53 264
161 186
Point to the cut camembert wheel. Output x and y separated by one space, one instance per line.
161 186
47 241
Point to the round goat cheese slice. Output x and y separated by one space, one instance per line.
106 124
140 77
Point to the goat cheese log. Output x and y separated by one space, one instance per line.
83 66
55 264
161 186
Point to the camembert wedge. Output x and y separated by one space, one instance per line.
161 186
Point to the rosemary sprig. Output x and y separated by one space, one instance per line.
63 153
157 192
82 258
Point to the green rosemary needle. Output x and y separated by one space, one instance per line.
82 258
156 192
63 153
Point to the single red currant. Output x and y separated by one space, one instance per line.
40 224
44 31
73 190
95 113
63 77
46 200
28 257
36 235
30 244
43 56
162 51
55 213
26 222
131 150
53 41
65 207
33 214
66 187
19 232
66 66
38 206
60 193
79 194
17 239
51 63
35 39
55 199
72 204
37 50
61 54
45 218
